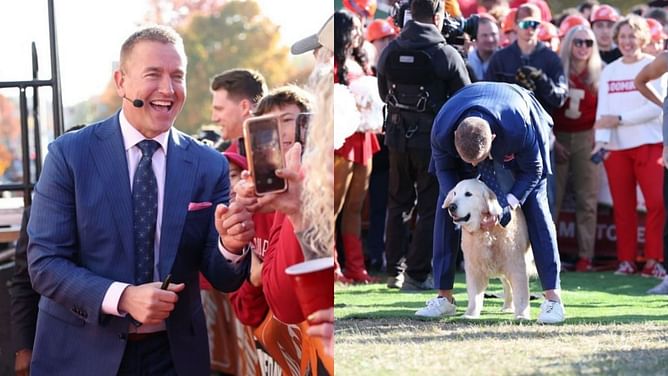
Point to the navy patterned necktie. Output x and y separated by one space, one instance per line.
488 176
145 208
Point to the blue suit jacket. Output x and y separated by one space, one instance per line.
521 125
81 240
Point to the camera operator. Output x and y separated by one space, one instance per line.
417 72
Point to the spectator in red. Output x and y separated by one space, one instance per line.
283 342
573 128
353 160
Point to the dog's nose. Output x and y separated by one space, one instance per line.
452 208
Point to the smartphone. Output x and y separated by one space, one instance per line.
599 156
303 120
262 140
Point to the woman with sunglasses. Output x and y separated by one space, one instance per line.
574 131
629 126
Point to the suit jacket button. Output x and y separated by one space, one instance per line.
122 336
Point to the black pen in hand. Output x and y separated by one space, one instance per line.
165 283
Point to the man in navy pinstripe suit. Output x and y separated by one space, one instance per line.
94 317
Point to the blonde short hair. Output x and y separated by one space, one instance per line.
639 27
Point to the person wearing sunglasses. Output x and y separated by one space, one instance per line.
534 66
529 62
573 128
630 127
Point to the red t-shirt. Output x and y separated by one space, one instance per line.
284 250
579 112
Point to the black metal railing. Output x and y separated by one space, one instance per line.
27 183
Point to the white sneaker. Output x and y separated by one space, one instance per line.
437 307
551 312
660 289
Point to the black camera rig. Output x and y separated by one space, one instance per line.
453 29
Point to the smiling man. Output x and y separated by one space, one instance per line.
235 94
121 205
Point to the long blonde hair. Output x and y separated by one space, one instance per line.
318 165
594 63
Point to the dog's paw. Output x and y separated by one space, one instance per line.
471 316
523 317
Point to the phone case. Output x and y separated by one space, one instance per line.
262 141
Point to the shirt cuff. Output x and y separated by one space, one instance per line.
512 201
232 257
112 298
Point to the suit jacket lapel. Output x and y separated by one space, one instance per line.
180 175
108 154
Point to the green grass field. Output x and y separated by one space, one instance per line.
612 327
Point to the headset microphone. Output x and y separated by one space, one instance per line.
137 102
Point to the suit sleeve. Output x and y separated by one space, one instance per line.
283 251
223 275
24 299
53 251
530 164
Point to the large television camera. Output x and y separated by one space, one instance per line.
453 30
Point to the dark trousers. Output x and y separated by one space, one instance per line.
378 182
150 356
409 179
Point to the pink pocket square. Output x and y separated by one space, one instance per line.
193 206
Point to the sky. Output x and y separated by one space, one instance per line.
90 33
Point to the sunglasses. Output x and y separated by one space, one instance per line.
528 24
583 42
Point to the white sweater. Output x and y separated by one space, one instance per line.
617 95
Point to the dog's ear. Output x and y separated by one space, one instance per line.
448 199
493 206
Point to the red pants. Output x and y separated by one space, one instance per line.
626 168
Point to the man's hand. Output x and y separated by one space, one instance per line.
235 225
488 221
22 362
148 304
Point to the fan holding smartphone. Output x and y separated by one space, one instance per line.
281 120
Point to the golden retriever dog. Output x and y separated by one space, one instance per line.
502 252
